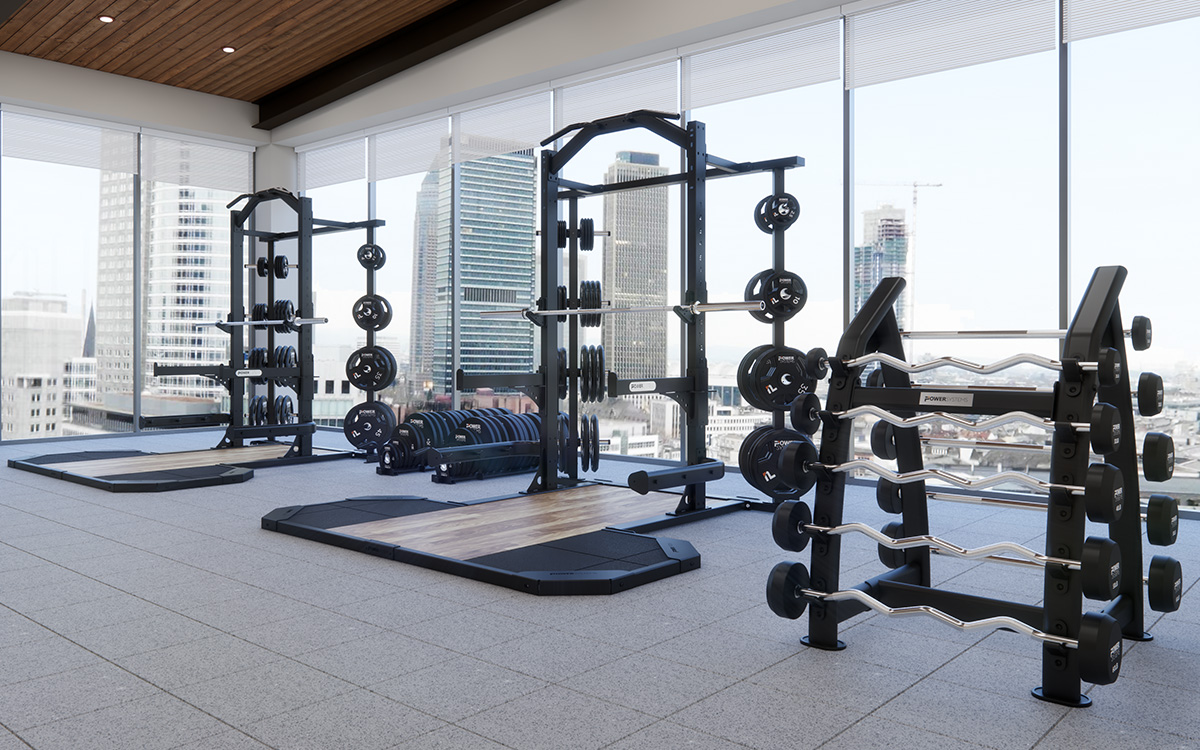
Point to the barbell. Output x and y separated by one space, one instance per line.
1103 489
694 308
1099 563
1140 333
1099 642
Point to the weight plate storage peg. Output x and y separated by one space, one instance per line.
371 257
372 312
369 424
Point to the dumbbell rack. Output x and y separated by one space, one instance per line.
234 375
1096 327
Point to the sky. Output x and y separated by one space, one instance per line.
986 239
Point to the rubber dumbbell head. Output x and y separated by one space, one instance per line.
1162 520
1149 394
1164 584
806 413
1140 333
1108 366
795 465
1099 648
887 495
1100 568
889 556
1104 431
883 440
1158 457
817 363
1104 493
788 525
785 587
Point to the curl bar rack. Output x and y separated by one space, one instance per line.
1077 646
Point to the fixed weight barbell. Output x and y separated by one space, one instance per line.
694 308
1103 489
1140 333
1099 643
239 323
1107 366
1099 563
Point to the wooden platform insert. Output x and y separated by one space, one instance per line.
487 528
171 461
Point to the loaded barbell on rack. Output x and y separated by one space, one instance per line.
1098 646
1103 489
1099 564
1139 332
694 308
263 267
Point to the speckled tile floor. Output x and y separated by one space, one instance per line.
174 621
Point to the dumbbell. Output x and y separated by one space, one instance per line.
1164 584
1099 644
1103 489
1158 457
1099 564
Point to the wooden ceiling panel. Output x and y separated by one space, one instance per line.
294 54
179 43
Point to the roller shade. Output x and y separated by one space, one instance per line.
795 58
76 144
412 149
331 165
655 87
1088 18
180 162
514 125
926 36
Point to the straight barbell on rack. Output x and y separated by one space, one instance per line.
263 267
1098 645
1103 489
1099 563
694 308
1140 334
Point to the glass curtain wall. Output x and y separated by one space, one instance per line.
67 231
185 267
767 98
1135 157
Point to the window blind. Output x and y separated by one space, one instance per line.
1087 18
330 165
795 58
926 36
408 150
180 162
655 87
65 142
514 125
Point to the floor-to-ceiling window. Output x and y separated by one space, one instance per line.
67 229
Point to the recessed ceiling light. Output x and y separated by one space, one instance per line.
106 19
227 49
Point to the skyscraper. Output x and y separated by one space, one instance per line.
884 253
495 270
635 268
424 274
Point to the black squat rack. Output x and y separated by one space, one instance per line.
581 374
273 415
1089 411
